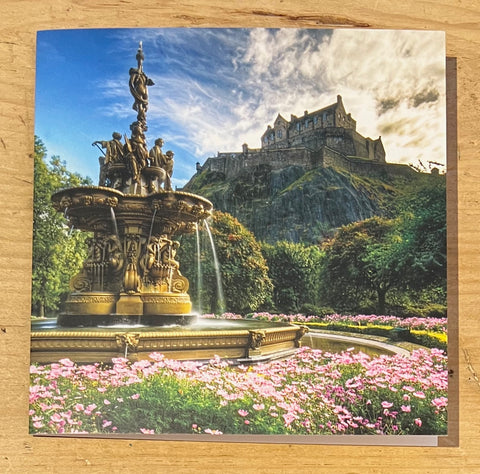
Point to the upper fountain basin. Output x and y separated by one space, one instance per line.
89 208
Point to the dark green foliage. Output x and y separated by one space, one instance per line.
404 257
361 260
424 227
57 252
295 272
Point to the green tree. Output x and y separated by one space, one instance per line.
57 251
294 269
360 261
424 230
244 273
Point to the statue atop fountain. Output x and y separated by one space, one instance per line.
130 273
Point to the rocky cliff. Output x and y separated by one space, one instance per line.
296 204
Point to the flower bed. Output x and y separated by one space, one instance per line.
313 392
428 332
428 324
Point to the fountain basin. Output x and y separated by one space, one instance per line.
237 340
339 342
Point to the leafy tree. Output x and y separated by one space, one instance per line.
424 230
294 269
243 269
362 259
57 251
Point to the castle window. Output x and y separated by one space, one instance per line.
279 134
315 120
299 126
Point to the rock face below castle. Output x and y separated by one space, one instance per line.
311 175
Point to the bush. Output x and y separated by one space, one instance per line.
429 339
311 309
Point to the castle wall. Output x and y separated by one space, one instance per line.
232 164
332 158
281 158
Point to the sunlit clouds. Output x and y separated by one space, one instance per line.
216 89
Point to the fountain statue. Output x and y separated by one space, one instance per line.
130 286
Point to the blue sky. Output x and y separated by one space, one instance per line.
216 89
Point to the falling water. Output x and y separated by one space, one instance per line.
102 268
114 221
199 271
151 225
150 234
221 298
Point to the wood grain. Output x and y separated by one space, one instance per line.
20 19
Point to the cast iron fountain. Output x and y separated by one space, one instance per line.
130 298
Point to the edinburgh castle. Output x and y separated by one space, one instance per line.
324 138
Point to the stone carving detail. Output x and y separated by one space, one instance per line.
302 330
257 337
160 268
128 340
104 261
131 280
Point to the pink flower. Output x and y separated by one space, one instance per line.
213 432
247 422
406 408
38 424
243 412
135 396
258 406
418 421
106 402
90 408
78 407
106 423
440 402
419 394
56 418
289 418
145 431
387 405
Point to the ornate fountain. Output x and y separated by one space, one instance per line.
130 286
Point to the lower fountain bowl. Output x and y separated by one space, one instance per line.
241 341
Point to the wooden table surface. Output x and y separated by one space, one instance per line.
19 21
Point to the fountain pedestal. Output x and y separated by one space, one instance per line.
131 270
129 305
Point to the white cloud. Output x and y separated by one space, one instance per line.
216 89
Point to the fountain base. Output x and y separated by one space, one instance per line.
241 341
95 309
